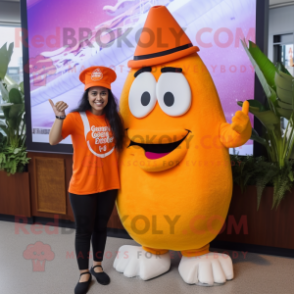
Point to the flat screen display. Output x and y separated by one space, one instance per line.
65 37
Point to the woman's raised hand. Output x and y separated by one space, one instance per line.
59 107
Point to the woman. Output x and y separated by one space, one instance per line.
97 134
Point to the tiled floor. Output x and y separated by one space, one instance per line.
254 273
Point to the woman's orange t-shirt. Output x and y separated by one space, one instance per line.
95 162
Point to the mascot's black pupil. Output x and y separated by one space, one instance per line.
145 98
169 99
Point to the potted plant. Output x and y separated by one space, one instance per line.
277 169
13 155
14 180
270 175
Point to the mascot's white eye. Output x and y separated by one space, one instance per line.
142 95
173 93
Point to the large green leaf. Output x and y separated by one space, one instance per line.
273 101
15 96
280 67
283 80
13 116
21 87
15 110
5 56
12 86
284 105
284 112
254 105
4 92
264 68
267 117
285 87
288 139
6 111
257 138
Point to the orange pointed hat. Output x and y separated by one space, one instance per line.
161 40
97 76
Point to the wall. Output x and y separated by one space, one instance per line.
9 12
281 21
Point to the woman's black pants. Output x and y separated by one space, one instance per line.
91 213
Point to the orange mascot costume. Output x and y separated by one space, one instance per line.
176 178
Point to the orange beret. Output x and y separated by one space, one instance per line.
97 76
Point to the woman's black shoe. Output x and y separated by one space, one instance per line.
82 287
102 278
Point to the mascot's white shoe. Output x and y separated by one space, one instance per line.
135 261
206 270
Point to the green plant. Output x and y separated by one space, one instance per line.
12 124
243 169
260 172
278 86
13 160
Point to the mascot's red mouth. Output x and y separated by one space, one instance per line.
155 151
153 155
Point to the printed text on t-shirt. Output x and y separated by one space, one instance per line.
101 135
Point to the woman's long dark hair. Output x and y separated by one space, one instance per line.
111 114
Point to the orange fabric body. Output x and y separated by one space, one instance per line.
178 201
196 192
91 174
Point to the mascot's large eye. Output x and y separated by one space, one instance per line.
142 98
173 93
